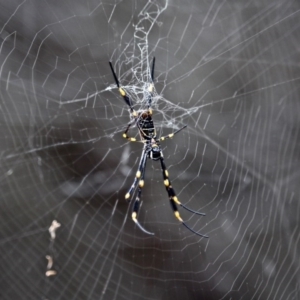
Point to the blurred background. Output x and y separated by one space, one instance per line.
229 70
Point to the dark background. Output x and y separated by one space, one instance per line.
227 69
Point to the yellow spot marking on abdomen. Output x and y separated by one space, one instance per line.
166 182
138 174
127 196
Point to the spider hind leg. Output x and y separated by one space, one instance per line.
177 215
140 175
171 191
134 214
174 200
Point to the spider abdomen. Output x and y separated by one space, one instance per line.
146 125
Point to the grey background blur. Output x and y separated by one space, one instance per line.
238 160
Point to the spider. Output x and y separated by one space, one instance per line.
152 150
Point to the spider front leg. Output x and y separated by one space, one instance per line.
122 91
151 86
174 200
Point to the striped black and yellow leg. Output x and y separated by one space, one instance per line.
138 175
174 200
137 201
169 136
125 135
122 91
177 215
151 86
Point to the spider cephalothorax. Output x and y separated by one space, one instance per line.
152 150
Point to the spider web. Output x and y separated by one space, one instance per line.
228 70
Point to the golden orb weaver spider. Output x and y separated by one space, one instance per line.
152 150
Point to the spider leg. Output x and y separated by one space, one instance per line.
152 69
136 204
122 91
170 189
151 86
126 136
138 175
169 136
174 200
